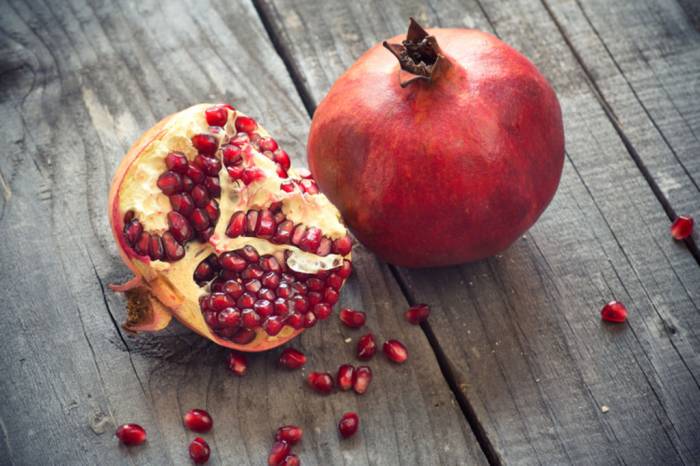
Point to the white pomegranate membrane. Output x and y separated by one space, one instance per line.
212 209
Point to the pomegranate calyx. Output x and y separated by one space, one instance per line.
419 54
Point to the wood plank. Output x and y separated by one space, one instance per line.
521 331
80 81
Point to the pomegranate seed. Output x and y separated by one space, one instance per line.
216 116
199 219
268 144
142 244
173 250
284 232
324 248
335 281
252 271
195 173
287 186
345 270
280 449
309 320
245 124
309 187
682 227
296 321
352 318
284 290
250 175
155 248
366 347
198 420
233 288
199 195
245 300
251 319
330 296
243 336
282 158
395 351
238 363
348 424
170 183
199 450
345 376
204 272
133 231
265 227
614 311
182 203
342 246
177 162
361 379
213 186
205 143
273 325
290 434
232 261
298 234
210 165
220 301
231 154
417 314
322 311
270 264
271 280
179 227
250 254
322 382
290 460
229 318
300 303
212 210
281 308
236 226
292 359
253 286
304 173
310 240
131 434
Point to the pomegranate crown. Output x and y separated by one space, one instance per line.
419 54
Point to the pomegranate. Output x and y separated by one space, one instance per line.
348 424
131 434
199 450
447 155
223 234
614 311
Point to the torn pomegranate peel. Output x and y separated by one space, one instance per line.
222 233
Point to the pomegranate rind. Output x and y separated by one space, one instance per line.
167 291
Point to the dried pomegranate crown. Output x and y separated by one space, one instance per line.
223 234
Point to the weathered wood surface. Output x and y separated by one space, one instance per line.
78 83
519 332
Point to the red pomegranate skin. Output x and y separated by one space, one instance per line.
441 172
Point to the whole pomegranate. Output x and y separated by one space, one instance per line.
444 156
222 233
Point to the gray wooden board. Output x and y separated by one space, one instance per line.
521 332
78 83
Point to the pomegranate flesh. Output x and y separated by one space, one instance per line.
443 156
223 234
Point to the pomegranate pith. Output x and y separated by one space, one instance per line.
348 424
614 311
199 450
198 420
131 434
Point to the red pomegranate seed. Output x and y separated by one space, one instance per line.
177 162
265 227
216 116
342 246
237 362
348 424
330 296
200 195
292 359
229 318
205 143
273 325
310 240
155 248
366 347
279 451
245 124
212 210
231 154
253 286
268 144
133 231
199 219
309 186
199 450
417 314
284 232
614 311
395 351
182 203
352 318
324 248
233 288
220 301
335 281
281 308
131 434
195 173
236 225
170 183
243 336
309 320
249 175
142 244
290 434
295 320
232 261
322 382
345 270
290 460
210 165
198 420
179 227
251 319
173 250
682 227
213 186
322 310
361 379
287 186
345 376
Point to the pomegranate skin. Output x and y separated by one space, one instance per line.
445 171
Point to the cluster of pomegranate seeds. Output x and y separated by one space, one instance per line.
292 359
131 434
198 420
250 291
322 382
238 363
357 379
352 318
285 437
366 347
682 227
395 351
417 314
614 311
348 424
199 450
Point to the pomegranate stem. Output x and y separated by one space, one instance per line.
418 54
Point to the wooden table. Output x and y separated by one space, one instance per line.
514 367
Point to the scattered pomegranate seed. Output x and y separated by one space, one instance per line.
292 359
245 124
352 318
238 363
345 376
199 450
682 227
348 424
198 420
279 451
395 350
322 382
614 311
131 434
205 143
216 116
361 379
290 460
366 347
290 434
417 314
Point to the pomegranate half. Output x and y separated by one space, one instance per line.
223 234
444 156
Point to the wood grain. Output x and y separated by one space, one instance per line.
79 82
520 331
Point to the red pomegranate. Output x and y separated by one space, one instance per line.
445 156
222 233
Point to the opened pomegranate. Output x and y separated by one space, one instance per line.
445 155
223 234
